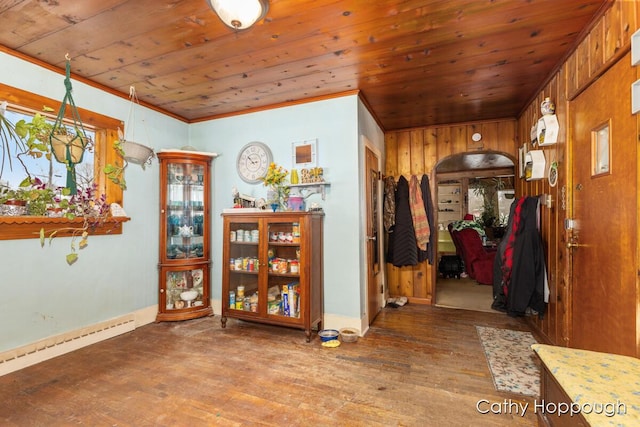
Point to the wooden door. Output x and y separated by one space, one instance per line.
373 188
603 240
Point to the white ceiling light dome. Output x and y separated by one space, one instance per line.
240 14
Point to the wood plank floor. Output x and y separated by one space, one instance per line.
417 366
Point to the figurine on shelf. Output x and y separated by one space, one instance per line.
309 176
547 107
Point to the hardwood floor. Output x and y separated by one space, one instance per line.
417 366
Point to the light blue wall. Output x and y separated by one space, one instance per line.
115 275
334 123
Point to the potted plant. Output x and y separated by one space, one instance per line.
38 138
68 144
13 202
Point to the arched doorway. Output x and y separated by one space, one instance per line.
480 184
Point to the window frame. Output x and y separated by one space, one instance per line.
106 129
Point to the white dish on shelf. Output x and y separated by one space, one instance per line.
188 295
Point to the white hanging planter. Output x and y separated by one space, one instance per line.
137 153
134 152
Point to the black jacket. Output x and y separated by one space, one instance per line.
526 287
403 249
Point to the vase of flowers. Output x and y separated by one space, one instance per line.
276 180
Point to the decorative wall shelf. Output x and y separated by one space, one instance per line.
310 188
547 130
535 165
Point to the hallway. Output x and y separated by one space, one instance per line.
464 293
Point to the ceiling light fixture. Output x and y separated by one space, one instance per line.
240 14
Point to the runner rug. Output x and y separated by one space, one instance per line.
512 363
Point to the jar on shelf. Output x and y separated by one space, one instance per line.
294 266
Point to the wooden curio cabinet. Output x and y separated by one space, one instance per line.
185 253
274 269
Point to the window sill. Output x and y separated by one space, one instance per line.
28 227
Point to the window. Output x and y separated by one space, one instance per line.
48 171
104 130
600 150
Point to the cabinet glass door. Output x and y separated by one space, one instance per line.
184 288
185 207
284 269
243 266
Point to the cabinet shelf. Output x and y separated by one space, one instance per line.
450 202
290 292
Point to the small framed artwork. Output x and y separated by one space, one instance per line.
305 154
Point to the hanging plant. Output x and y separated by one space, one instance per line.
68 143
133 151
130 151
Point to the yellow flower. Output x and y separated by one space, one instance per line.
276 176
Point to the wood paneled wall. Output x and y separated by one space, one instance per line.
417 152
604 44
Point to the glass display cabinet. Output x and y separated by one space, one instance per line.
274 269
185 256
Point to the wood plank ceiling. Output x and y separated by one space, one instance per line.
416 63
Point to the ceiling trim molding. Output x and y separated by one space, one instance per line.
278 105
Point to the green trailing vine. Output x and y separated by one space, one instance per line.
115 173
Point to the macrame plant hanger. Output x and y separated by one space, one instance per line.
68 145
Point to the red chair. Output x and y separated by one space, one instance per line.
478 261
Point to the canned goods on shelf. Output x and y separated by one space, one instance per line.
232 237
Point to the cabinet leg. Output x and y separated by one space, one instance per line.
223 321
307 332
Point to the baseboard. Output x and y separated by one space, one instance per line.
48 348
333 321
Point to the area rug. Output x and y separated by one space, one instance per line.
511 361
464 294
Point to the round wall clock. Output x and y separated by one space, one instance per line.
253 161
476 137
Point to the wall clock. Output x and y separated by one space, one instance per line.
253 161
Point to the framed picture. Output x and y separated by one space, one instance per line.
304 154
522 155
